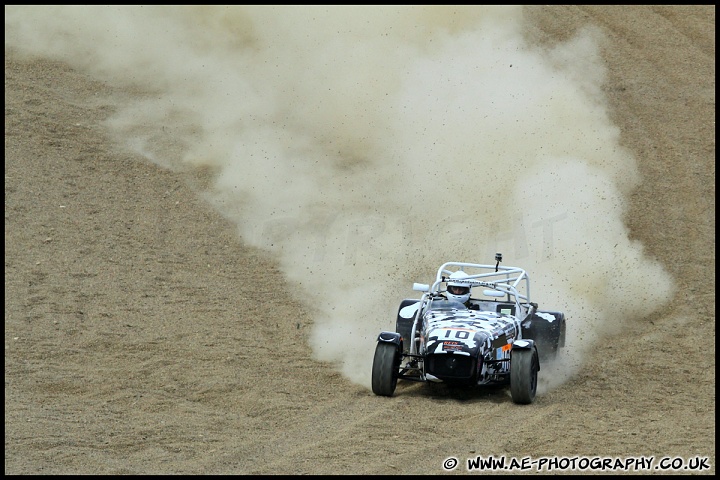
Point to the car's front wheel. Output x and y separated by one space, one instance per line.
524 366
385 369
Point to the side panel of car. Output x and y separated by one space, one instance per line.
497 357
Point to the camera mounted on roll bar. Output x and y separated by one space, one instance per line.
498 258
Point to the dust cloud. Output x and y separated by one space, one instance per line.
363 146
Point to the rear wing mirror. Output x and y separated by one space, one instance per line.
421 287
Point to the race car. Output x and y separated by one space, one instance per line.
454 335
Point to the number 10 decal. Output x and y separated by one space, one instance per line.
459 334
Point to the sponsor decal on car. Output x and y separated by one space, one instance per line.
451 346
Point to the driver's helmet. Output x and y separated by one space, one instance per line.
456 289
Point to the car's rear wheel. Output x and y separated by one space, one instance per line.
385 369
549 349
524 366
549 335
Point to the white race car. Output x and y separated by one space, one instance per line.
497 338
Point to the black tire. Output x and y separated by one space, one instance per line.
549 336
524 366
385 369
558 346
561 340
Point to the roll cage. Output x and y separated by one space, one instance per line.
513 282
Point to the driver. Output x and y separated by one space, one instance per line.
457 290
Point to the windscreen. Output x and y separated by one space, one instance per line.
443 304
